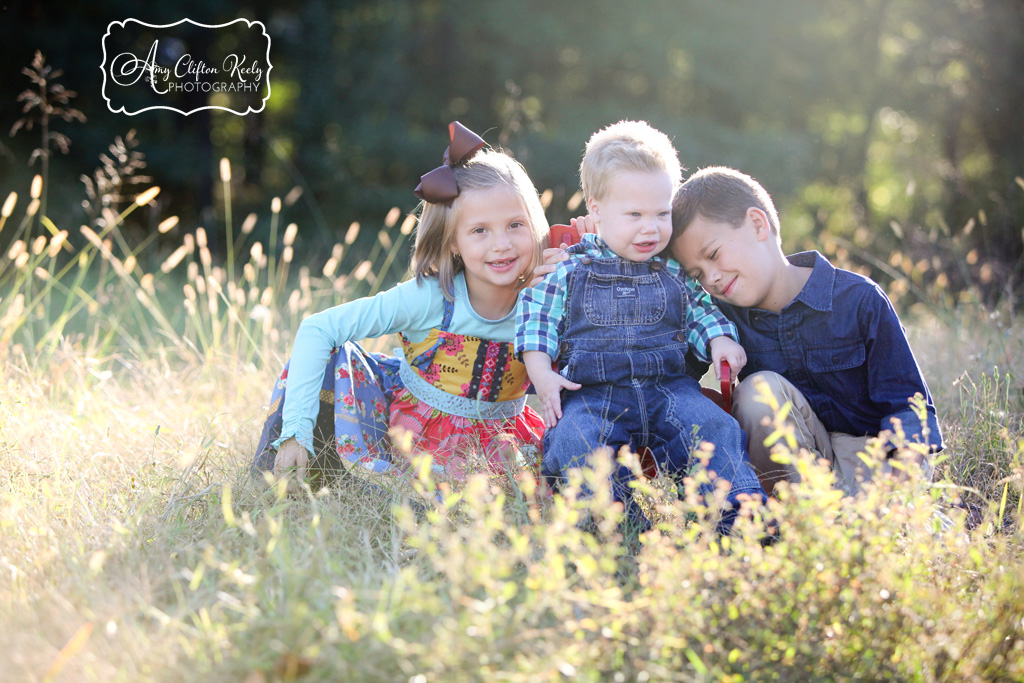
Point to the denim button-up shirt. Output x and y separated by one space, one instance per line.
842 345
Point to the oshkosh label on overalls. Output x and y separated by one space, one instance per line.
625 292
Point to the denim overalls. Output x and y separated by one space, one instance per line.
625 342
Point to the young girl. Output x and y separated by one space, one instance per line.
456 386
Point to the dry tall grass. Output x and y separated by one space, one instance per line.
134 546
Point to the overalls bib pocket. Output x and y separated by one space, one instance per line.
612 300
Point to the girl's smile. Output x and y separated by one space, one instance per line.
504 265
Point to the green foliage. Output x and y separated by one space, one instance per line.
856 116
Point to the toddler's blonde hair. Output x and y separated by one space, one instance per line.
435 233
626 146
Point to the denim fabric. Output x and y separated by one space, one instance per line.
540 313
842 345
624 343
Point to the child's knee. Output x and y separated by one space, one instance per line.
750 398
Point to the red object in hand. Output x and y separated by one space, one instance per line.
722 399
562 234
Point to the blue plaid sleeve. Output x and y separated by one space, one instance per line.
704 321
539 313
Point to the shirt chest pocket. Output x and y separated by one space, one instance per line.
840 370
836 357
617 300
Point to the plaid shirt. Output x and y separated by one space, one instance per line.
540 313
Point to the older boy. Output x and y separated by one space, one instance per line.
618 318
824 339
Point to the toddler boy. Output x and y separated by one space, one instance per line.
619 318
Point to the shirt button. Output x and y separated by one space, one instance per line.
680 336
657 265
585 260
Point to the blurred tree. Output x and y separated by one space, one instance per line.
885 122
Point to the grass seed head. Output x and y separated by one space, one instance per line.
574 201
408 224
362 270
9 203
352 233
147 196
56 242
174 259
249 223
36 189
167 224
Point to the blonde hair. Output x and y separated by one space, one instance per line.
626 146
435 233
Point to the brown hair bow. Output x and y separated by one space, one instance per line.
439 185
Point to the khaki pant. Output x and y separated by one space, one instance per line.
839 449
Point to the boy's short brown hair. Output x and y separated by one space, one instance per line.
626 146
721 194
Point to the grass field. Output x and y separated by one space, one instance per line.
134 545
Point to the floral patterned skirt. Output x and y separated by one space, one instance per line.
352 423
458 443
362 397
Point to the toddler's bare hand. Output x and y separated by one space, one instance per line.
548 384
549 391
725 348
